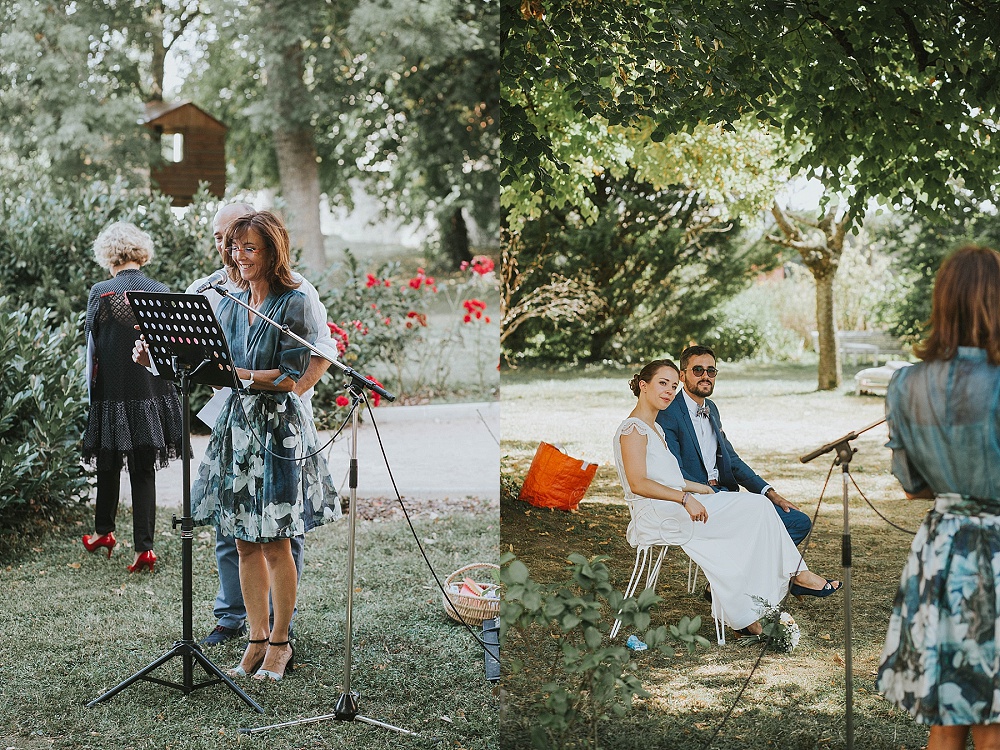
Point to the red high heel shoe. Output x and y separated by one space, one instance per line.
91 542
145 559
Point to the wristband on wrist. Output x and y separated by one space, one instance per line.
684 499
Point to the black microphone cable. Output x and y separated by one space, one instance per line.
416 538
805 542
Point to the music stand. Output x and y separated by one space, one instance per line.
845 452
186 345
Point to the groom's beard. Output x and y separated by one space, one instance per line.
702 388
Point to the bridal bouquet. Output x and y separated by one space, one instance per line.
780 630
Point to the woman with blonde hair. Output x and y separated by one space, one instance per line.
939 662
134 418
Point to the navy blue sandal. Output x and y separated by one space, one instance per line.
799 591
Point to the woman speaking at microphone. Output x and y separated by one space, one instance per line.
254 494
940 660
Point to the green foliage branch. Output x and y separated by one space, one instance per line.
43 407
590 679
897 99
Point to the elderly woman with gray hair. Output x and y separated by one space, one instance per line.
135 418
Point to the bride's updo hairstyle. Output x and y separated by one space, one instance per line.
646 373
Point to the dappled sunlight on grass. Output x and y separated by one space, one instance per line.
794 700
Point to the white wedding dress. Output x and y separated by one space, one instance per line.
743 548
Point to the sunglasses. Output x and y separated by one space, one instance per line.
698 370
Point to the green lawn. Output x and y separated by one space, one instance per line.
75 625
772 414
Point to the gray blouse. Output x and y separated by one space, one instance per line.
943 425
261 346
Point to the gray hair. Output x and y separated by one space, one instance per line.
121 243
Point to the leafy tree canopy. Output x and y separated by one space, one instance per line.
401 95
74 77
430 128
897 99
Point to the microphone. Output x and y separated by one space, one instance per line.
219 277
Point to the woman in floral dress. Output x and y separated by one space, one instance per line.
940 661
257 495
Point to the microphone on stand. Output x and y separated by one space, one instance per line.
219 277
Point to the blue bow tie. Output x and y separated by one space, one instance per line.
702 411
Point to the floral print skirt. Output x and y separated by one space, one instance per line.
250 494
940 661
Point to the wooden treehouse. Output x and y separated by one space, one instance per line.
193 147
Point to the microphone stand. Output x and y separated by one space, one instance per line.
346 708
845 453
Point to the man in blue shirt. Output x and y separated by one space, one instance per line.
694 435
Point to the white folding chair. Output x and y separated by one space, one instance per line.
657 524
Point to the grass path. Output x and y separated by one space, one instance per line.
77 624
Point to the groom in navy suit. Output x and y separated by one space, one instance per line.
694 435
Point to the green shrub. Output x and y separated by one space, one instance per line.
47 232
43 411
592 679
749 328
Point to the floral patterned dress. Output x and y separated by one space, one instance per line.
248 492
940 661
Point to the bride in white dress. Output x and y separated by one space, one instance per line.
735 537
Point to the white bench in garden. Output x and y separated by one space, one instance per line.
858 344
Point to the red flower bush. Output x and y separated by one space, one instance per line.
414 318
481 264
376 396
339 336
474 309
422 279
384 321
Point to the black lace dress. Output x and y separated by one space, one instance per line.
134 416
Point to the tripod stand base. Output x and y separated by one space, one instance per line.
345 710
190 652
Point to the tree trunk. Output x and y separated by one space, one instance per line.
821 255
291 103
455 238
299 174
159 52
829 355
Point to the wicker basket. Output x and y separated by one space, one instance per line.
473 609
